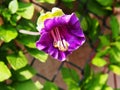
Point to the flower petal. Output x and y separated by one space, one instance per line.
70 30
43 43
74 41
73 25
57 54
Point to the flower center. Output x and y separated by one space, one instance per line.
59 41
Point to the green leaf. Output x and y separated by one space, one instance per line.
104 40
68 3
69 74
87 71
100 62
26 85
5 87
117 45
17 60
26 25
24 74
40 55
27 40
96 8
7 33
102 53
84 24
114 55
93 29
50 86
14 19
106 87
68 0
115 69
71 78
115 28
4 72
73 86
13 6
38 85
88 75
26 10
97 82
47 1
6 14
105 2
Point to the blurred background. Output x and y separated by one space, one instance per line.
94 66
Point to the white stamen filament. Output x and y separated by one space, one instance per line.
28 32
59 42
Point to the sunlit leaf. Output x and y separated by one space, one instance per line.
47 1
114 55
25 10
7 33
4 72
50 86
106 87
115 69
100 62
97 82
25 73
38 85
40 55
71 78
27 40
17 60
13 6
26 85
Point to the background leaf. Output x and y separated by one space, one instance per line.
115 69
7 33
29 41
105 3
115 28
24 73
71 78
17 60
13 6
50 86
26 85
25 10
99 62
4 72
40 55
47 1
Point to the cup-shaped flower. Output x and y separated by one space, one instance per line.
60 34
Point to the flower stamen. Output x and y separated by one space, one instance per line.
59 42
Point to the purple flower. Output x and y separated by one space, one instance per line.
60 36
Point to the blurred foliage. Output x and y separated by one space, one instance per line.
96 16
16 15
